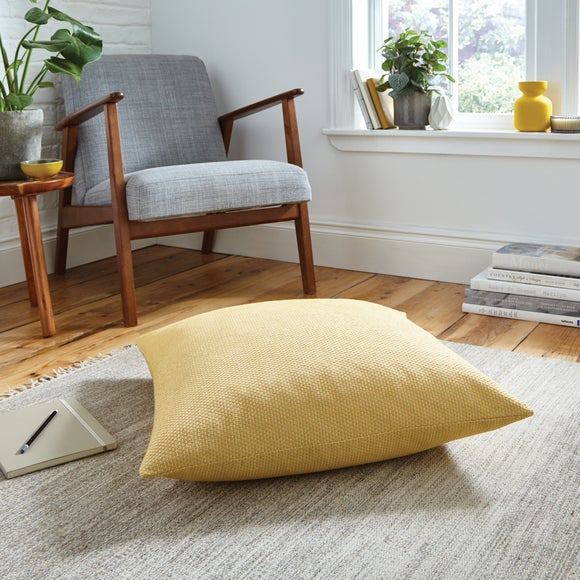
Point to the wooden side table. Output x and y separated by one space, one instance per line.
24 193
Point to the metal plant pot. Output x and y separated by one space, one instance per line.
412 110
20 139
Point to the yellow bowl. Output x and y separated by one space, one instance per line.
41 168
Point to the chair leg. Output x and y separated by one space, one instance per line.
126 274
61 250
208 242
305 250
64 200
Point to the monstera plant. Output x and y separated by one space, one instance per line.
70 48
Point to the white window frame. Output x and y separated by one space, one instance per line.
551 23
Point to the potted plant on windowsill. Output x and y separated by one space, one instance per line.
20 125
412 64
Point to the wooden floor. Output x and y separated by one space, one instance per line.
173 284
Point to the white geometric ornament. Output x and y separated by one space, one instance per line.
441 115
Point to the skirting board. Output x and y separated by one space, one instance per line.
431 255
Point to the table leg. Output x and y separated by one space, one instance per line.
37 263
24 244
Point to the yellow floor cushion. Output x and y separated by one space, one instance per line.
296 386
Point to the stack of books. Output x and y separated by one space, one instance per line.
533 282
376 107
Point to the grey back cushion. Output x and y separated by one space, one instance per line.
168 115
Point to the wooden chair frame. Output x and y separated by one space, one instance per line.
74 216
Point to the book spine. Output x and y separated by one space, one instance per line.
521 314
535 264
520 302
507 287
361 103
377 103
535 279
364 91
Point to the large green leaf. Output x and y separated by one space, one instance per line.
60 65
398 81
75 49
84 33
37 16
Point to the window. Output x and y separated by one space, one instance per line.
492 45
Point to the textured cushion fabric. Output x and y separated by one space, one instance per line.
296 386
168 115
207 187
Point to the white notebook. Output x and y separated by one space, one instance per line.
72 433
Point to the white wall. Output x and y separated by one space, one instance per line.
432 216
125 28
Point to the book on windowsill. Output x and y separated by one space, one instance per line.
538 258
363 96
383 104
483 281
534 278
73 433
361 103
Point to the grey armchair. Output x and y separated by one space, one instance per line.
152 160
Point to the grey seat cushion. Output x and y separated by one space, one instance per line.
177 190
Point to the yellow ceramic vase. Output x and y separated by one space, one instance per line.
532 110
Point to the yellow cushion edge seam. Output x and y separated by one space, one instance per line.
512 418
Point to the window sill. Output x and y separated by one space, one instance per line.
507 143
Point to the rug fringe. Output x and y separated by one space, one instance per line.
60 372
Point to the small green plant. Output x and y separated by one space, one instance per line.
412 63
72 49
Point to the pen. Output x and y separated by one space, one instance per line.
25 447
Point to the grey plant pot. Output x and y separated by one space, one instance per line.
20 139
412 110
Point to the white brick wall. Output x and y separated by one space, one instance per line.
125 28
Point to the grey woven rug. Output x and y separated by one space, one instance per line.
499 505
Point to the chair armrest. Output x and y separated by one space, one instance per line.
88 112
260 105
285 99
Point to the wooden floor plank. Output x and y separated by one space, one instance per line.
389 291
489 331
174 283
436 308
550 340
